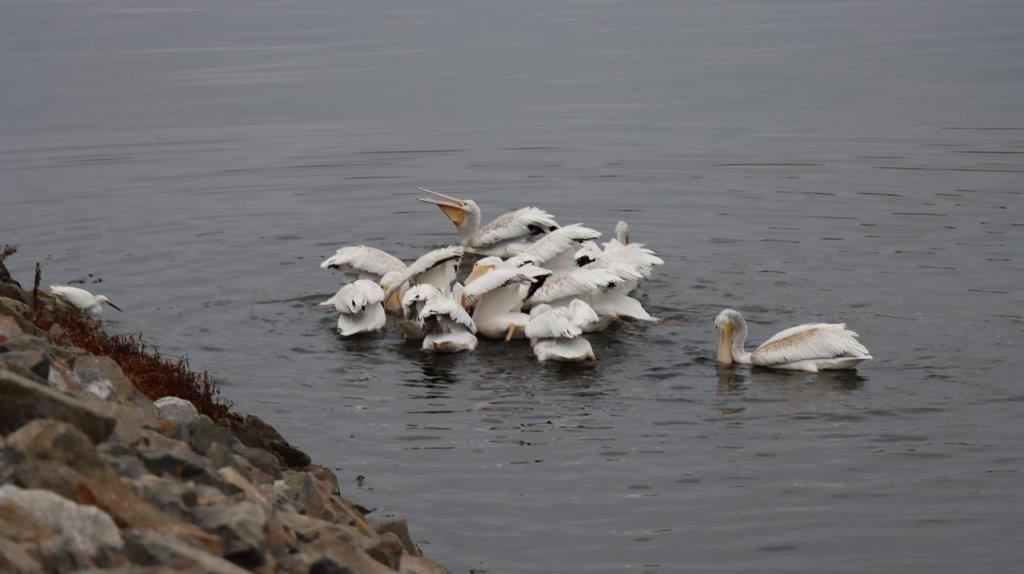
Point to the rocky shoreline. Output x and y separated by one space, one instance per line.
95 475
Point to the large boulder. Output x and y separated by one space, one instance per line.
253 432
151 548
23 400
176 409
240 528
103 377
87 536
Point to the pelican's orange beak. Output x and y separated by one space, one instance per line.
455 209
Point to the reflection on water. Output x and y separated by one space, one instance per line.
796 160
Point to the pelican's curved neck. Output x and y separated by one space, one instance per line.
470 226
731 342
739 340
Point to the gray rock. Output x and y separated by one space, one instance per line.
105 376
151 548
27 355
168 495
176 409
14 291
23 400
9 329
17 311
88 536
16 559
202 432
263 460
388 551
102 389
253 432
400 528
240 528
328 565
125 461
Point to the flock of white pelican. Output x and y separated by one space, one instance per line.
548 283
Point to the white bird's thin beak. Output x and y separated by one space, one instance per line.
111 303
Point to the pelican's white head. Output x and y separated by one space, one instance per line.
482 267
418 294
622 232
732 334
103 299
463 213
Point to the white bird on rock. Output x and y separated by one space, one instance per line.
448 327
82 300
810 347
359 307
507 235
556 333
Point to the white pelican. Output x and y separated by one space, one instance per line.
359 307
412 304
632 262
505 236
556 333
496 294
363 262
448 327
555 251
604 289
372 264
82 300
622 232
810 347
438 268
632 258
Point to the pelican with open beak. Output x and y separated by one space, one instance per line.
507 235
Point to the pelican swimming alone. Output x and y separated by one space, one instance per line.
448 327
505 236
82 300
556 333
810 347
359 306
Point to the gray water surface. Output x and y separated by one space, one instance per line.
858 161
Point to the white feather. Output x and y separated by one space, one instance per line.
576 283
356 297
812 341
514 225
416 271
363 261
551 245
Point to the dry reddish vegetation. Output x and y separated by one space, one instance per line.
152 373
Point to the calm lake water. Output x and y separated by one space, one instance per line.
858 161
